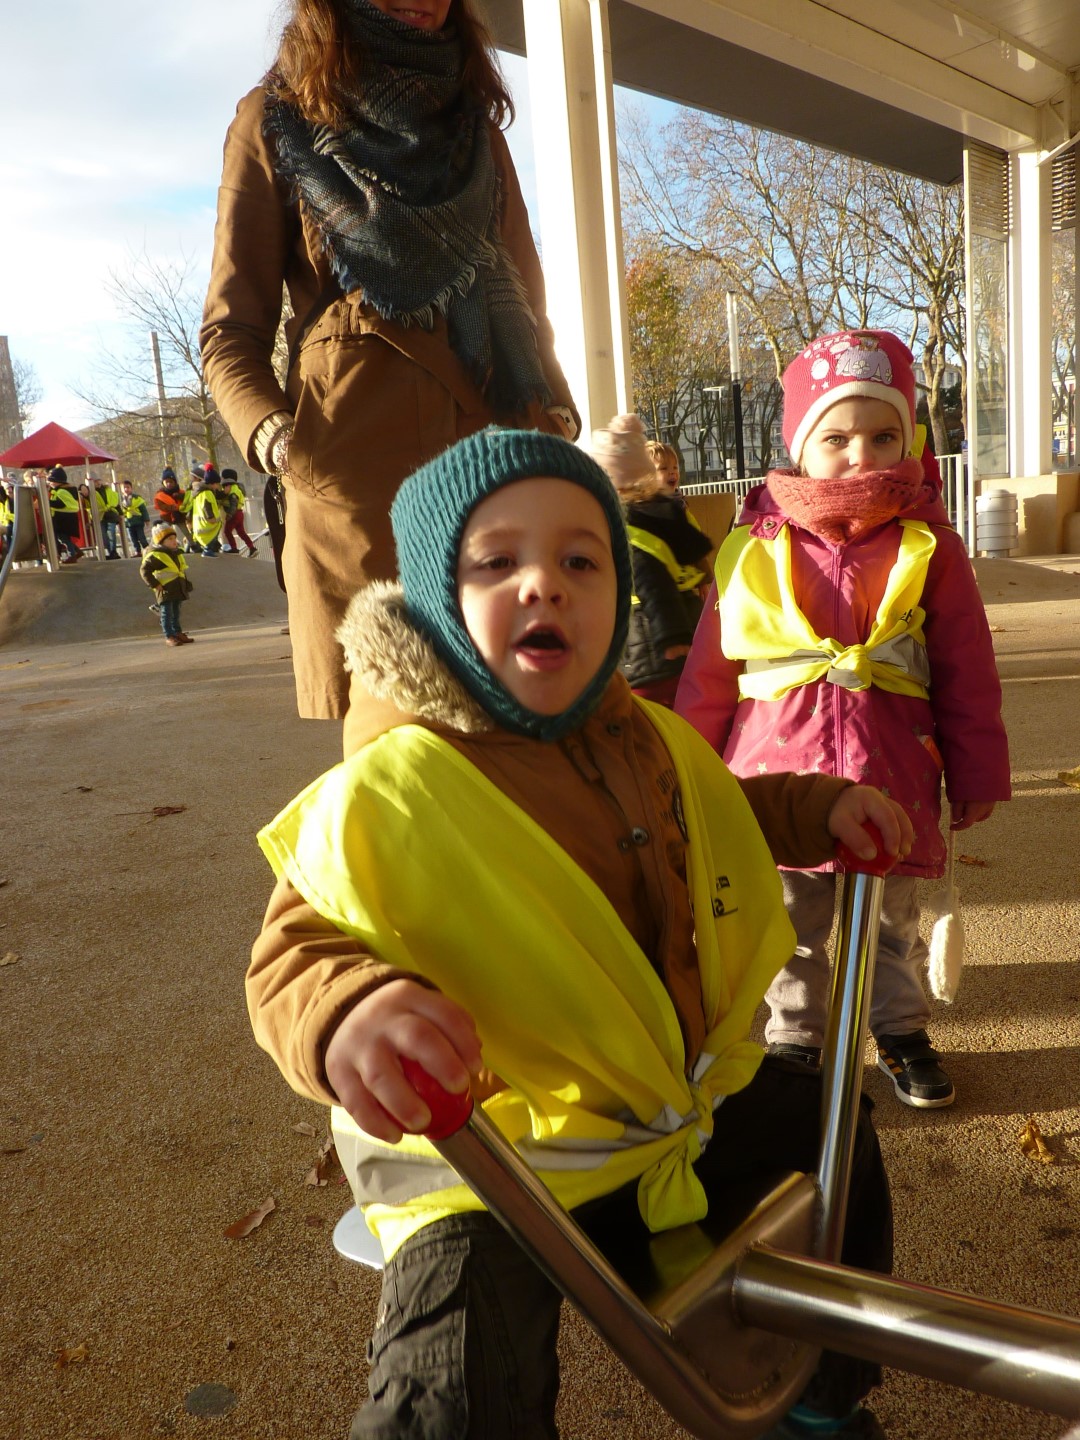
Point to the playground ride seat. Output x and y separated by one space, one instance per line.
723 1320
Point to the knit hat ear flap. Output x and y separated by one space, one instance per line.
872 363
428 517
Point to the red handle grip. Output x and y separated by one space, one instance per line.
882 863
449 1112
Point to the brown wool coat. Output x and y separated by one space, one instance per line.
372 399
593 793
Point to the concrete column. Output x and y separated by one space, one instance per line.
569 57
1030 434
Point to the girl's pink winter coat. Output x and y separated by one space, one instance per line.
902 744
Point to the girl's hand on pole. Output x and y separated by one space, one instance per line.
965 813
858 804
363 1057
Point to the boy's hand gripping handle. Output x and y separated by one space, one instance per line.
449 1112
854 864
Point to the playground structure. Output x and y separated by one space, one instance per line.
723 1320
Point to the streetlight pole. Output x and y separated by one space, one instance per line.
736 382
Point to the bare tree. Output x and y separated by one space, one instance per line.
28 391
809 240
164 297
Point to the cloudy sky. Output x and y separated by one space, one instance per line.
112 118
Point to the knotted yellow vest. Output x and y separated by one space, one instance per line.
206 517
168 566
686 577
572 1014
761 623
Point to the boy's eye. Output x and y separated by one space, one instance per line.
494 562
581 562
887 437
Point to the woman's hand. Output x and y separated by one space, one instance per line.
362 1060
965 813
856 805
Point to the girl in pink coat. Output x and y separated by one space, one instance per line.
845 634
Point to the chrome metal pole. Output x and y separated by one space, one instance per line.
511 1191
1027 1356
842 1054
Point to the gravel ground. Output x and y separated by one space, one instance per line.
138 1120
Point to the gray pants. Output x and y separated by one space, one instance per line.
798 998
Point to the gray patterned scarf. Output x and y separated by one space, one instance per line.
406 200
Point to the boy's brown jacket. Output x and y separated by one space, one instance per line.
606 794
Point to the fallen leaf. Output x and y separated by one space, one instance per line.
73 1355
1070 777
9 959
315 1221
996 629
304 1127
325 1164
247 1223
85 789
4 881
972 860
1033 1144
14 1150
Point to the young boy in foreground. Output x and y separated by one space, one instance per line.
540 887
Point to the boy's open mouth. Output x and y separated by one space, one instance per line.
543 637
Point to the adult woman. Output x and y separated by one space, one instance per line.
368 174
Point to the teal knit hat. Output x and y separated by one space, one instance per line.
429 516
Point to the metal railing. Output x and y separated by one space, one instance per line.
957 493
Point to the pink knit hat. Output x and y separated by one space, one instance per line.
874 363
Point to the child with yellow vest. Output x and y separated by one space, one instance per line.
541 887
846 636
667 551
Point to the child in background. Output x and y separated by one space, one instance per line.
846 636
207 515
665 549
587 955
234 498
134 510
164 569
668 468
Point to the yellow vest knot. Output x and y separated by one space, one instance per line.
852 668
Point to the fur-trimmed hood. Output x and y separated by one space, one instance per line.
395 663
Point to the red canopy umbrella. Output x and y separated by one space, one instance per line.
52 445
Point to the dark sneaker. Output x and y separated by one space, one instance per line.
807 1054
802 1423
911 1063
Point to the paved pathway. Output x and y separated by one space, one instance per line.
138 1118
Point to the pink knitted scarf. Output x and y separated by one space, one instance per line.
840 509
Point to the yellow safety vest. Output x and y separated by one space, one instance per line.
236 489
62 499
686 577
572 1014
134 508
761 623
206 517
168 566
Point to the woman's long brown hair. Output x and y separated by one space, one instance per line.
316 64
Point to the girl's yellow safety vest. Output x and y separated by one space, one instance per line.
571 1013
761 623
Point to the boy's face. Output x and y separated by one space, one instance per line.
853 436
537 589
171 542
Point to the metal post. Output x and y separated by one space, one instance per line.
1027 1356
736 382
842 1054
159 379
